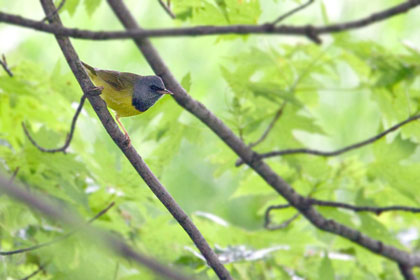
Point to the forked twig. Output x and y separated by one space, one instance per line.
69 135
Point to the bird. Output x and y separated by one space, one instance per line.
128 94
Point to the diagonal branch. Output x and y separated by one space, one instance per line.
270 126
40 268
49 16
291 12
3 63
167 9
41 204
267 131
407 272
67 235
250 157
130 152
342 150
69 135
312 32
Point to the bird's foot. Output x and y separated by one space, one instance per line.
127 140
95 91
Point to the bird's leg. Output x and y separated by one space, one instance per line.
127 138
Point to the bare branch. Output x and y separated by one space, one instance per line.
69 135
130 152
3 63
267 219
312 32
267 131
291 12
376 210
270 126
40 268
48 17
167 9
67 235
407 272
249 156
12 178
39 203
342 150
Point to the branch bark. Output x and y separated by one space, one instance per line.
137 162
312 32
250 157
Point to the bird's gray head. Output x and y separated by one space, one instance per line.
147 90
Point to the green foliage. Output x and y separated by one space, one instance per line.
342 92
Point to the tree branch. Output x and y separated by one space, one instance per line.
312 32
40 268
267 219
374 209
339 151
39 203
69 135
250 157
48 17
67 235
167 9
407 272
131 154
270 126
291 12
267 131
3 63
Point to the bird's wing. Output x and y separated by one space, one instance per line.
118 80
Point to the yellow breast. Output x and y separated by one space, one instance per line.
118 100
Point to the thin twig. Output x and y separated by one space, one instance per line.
3 63
325 203
312 32
15 172
375 210
69 135
407 272
267 219
40 268
117 267
279 112
291 12
19 251
339 151
270 126
167 9
49 16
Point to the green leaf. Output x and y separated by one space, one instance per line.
70 6
186 82
91 6
326 270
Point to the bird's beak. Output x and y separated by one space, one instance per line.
165 91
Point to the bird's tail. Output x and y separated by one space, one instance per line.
90 69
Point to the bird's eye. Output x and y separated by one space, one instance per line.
154 88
